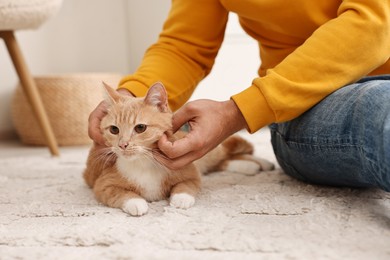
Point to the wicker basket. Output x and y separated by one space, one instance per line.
68 100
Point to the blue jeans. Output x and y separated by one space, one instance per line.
342 141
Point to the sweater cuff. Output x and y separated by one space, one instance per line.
254 108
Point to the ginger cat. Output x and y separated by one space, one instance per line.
125 174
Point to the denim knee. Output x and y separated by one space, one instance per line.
344 140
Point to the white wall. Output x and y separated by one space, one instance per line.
235 67
112 36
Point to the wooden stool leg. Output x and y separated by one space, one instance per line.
30 89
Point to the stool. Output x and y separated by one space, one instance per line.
21 15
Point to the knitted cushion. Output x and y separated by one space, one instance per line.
26 14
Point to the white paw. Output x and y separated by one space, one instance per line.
135 207
266 165
243 166
249 167
182 200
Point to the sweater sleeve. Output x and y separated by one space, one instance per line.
339 52
185 51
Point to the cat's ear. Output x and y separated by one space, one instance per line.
112 96
157 96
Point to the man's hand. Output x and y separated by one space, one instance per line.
94 123
211 122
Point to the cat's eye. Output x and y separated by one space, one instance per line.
114 130
140 128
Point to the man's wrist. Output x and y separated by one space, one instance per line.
236 116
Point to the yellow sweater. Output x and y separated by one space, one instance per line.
308 49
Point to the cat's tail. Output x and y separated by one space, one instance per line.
235 154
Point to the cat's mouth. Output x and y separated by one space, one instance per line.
127 153
132 152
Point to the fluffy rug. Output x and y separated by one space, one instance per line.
47 212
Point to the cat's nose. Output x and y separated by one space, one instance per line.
123 146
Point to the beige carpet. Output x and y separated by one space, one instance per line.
47 212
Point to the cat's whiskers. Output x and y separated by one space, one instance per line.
157 153
105 154
141 151
130 150
101 153
149 153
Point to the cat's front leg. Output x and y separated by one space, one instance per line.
183 194
135 206
182 200
114 193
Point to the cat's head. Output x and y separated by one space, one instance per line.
133 125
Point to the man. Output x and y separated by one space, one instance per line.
330 123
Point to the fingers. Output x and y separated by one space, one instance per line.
182 116
174 149
94 121
178 154
176 164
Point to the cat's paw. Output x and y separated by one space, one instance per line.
265 165
135 207
244 167
249 167
182 200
